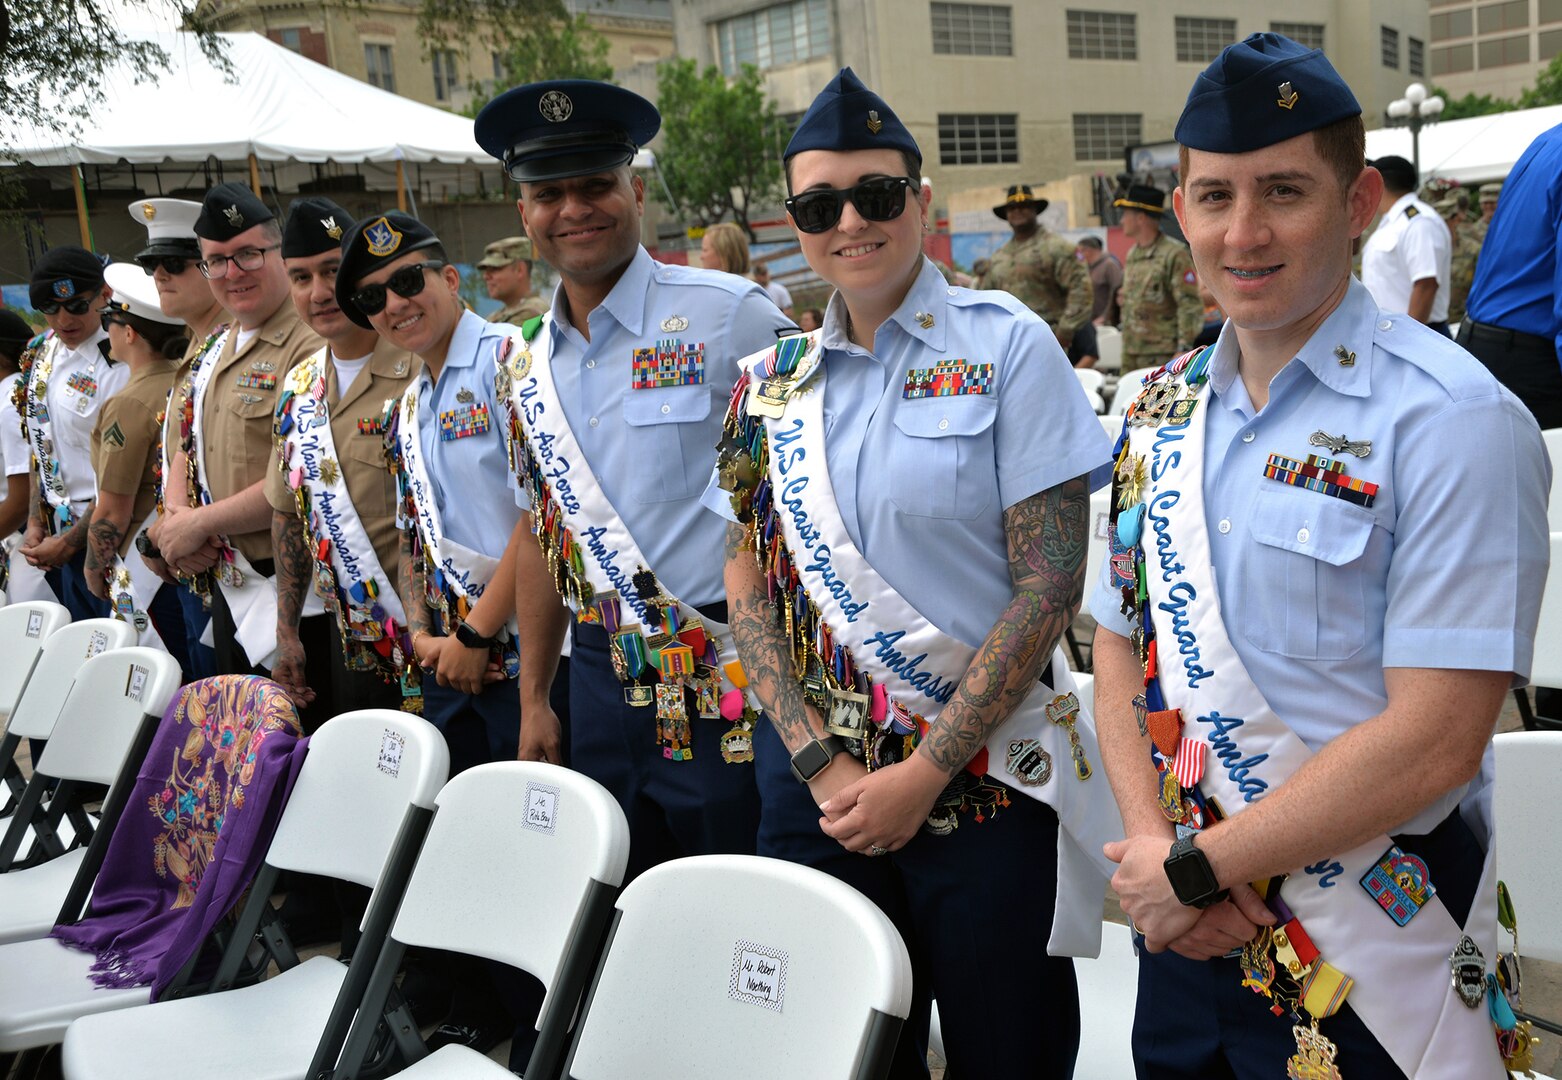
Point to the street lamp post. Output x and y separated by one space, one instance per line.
1415 110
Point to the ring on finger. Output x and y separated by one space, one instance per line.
874 849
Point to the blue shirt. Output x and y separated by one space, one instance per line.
923 483
1444 570
467 473
1518 279
652 449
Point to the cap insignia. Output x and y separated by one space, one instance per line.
874 123
148 211
555 106
235 218
64 289
332 229
1288 96
383 240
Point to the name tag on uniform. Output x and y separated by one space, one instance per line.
257 380
670 363
948 378
465 421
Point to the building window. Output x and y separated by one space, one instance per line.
1415 57
973 30
1454 24
1453 59
444 61
1495 18
777 35
1200 40
978 138
1103 136
377 60
1504 52
1550 44
290 38
1309 35
1103 35
1390 42
1550 11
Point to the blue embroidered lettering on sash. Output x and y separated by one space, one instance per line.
1238 768
622 582
1328 869
788 457
930 685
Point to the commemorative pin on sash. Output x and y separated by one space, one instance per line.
1367 926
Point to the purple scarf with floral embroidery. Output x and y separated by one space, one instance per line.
197 826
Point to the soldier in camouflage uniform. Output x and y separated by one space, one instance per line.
1039 268
1488 196
507 271
1162 310
1465 250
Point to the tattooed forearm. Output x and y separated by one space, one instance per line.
295 567
1046 538
76 538
103 539
762 646
410 576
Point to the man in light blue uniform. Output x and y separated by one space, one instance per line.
1383 625
650 446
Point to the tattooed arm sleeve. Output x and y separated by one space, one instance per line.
410 577
295 568
1046 538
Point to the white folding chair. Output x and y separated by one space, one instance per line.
1108 990
1091 381
522 866
359 811
1109 347
1128 388
1553 441
102 735
23 629
799 975
1546 666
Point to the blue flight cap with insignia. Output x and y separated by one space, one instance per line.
848 116
64 272
369 245
565 127
228 210
314 225
1262 91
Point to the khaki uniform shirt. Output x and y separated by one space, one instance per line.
124 442
357 416
1043 274
528 308
1162 312
238 407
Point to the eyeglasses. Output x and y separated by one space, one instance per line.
406 282
175 264
110 316
77 305
880 199
248 259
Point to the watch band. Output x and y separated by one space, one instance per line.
815 755
469 637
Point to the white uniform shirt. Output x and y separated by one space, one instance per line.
13 446
1411 243
73 411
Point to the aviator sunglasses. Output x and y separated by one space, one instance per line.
406 283
880 199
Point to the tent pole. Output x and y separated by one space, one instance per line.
79 187
254 175
401 186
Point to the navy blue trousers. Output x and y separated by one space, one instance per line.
69 583
675 808
974 908
202 659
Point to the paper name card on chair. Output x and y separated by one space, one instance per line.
758 975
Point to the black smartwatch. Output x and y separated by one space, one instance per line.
1191 878
811 760
471 638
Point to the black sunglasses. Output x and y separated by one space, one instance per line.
109 316
406 282
880 199
173 264
77 305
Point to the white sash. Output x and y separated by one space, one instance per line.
920 666
1403 991
353 558
40 433
132 585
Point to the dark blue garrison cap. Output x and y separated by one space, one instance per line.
565 127
848 116
1262 91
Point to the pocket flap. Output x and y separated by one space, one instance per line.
959 416
669 405
1311 523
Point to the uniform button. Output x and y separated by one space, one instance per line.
666 409
943 425
1386 325
1302 536
1247 436
595 421
1224 526
591 363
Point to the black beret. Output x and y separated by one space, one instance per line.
1152 200
64 272
1398 174
228 210
565 127
848 116
314 225
369 245
1262 91
15 333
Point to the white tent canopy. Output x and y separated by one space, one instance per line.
1474 150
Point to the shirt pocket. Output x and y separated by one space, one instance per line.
1302 580
669 441
943 465
374 497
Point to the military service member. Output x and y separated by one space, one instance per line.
507 272
1301 597
1405 262
1039 268
1461 269
1488 194
1162 310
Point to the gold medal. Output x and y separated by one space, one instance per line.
1314 1057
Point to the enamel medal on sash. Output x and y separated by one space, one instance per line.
788 366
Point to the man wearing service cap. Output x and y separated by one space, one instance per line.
1305 632
66 376
1039 267
507 272
617 401
219 536
1162 312
1488 195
